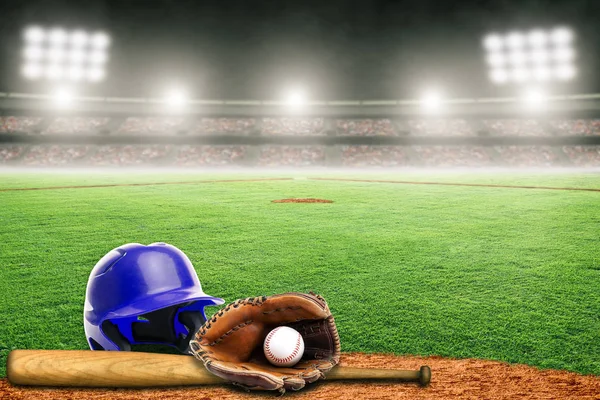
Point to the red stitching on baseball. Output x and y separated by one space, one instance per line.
277 359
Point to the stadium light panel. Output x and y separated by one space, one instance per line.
95 74
496 60
563 54
562 36
515 40
176 99
534 56
33 53
499 75
61 54
56 55
34 35
537 38
97 57
75 73
78 39
32 70
565 72
542 74
517 57
493 43
57 37
100 40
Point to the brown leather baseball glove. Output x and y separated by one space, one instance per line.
231 343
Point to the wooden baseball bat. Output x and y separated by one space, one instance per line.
86 368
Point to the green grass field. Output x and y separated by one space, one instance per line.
492 273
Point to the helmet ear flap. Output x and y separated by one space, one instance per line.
192 320
112 332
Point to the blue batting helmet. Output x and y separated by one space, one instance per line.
140 294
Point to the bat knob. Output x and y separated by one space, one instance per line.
424 376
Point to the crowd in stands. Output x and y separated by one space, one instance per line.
293 126
366 156
299 156
112 155
171 125
440 127
528 156
10 153
365 127
77 125
583 156
208 126
453 156
515 127
54 155
18 124
291 156
585 127
208 156
166 125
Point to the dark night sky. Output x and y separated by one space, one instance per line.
245 49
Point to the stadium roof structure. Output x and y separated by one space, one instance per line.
573 105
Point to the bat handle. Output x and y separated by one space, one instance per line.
422 376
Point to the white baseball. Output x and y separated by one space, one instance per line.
284 346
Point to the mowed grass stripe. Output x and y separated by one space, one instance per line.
452 271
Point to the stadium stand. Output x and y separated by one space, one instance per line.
583 156
79 125
208 156
441 127
10 124
453 156
291 156
368 156
293 126
515 127
11 153
207 126
150 125
365 127
576 127
528 156
55 155
130 155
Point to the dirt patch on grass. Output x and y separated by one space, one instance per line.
302 201
450 379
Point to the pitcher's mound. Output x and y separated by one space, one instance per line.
302 201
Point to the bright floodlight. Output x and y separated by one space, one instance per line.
431 101
537 38
100 40
296 99
493 42
78 39
63 97
95 74
32 71
59 54
499 75
34 34
534 56
534 98
496 59
565 72
57 37
562 36
176 99
33 53
515 40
